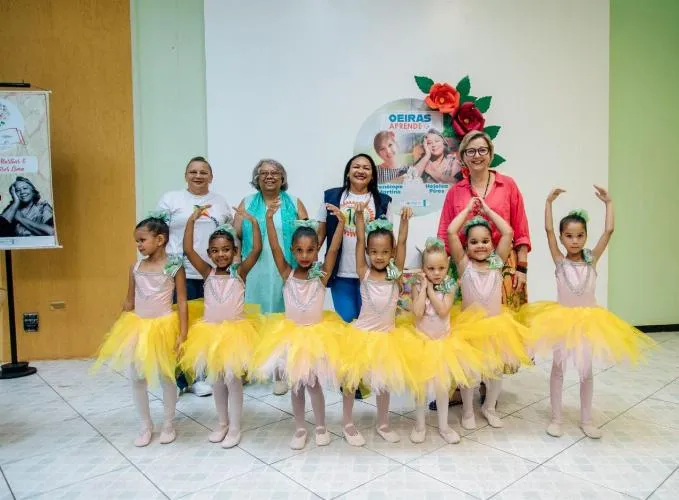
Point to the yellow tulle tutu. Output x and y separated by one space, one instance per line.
385 361
303 353
504 341
584 333
145 344
220 349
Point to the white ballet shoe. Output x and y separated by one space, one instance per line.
322 436
218 435
144 437
468 423
591 431
554 429
298 441
492 418
231 439
355 438
388 435
449 435
280 387
168 434
418 435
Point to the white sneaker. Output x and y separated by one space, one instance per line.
201 388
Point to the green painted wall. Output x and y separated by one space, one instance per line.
169 94
644 170
170 127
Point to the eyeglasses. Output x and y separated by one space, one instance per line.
471 152
269 173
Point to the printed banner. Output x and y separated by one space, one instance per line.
26 200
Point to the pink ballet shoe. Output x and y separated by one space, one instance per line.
168 434
449 435
591 431
492 418
144 437
231 439
353 436
298 441
554 429
388 435
218 435
418 435
322 436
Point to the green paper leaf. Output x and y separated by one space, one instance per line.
464 86
497 160
468 98
424 83
483 103
492 131
448 131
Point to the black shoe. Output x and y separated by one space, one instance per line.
452 402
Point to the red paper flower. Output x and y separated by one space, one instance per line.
467 118
443 97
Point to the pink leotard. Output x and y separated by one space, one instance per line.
152 293
304 300
224 297
378 309
482 287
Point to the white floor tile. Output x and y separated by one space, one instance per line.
454 416
525 439
61 467
261 484
365 416
123 484
668 490
546 484
332 470
656 411
473 468
35 403
5 493
669 393
405 484
284 403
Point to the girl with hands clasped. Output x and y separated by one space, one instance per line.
222 344
576 328
480 267
304 342
450 359
376 350
148 333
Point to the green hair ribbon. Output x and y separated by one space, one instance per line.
434 243
587 255
310 223
393 272
475 221
315 271
163 215
494 261
226 228
580 212
174 262
381 223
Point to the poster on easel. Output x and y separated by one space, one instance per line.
27 218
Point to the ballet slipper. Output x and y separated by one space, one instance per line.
298 441
168 434
231 439
449 435
468 423
322 436
418 435
355 438
554 429
492 418
388 435
218 435
591 431
144 437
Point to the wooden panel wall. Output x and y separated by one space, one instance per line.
81 50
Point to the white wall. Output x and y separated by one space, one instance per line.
295 80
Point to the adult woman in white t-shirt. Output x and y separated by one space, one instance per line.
180 205
359 186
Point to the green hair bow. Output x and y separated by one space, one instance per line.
434 243
393 272
226 228
580 212
174 262
315 271
381 223
494 261
447 286
163 215
310 223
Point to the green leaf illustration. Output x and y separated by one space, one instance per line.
464 86
424 83
497 160
492 131
483 103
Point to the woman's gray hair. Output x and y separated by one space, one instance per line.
255 173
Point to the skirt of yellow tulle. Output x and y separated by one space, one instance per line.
505 342
304 354
386 361
220 349
145 344
584 334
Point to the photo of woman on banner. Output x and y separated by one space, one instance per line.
387 148
435 160
27 214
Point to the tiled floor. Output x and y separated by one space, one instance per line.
67 434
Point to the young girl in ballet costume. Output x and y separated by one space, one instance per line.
480 266
575 328
303 343
450 359
148 333
376 350
222 344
